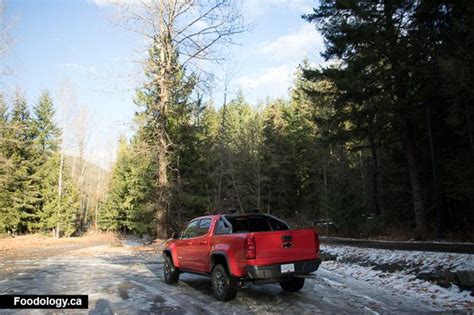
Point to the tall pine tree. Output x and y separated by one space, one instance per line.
56 208
9 217
24 189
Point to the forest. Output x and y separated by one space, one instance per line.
378 141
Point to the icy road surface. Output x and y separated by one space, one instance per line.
125 280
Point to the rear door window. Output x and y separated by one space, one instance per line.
249 224
204 225
259 223
222 227
278 225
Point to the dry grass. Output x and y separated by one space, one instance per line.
91 244
156 246
40 245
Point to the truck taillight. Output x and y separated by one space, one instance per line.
250 248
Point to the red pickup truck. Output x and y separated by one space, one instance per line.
237 248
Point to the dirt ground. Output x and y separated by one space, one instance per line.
122 276
39 245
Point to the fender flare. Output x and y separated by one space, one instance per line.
174 259
226 257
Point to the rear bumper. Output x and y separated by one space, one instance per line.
274 271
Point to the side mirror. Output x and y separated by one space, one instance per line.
175 235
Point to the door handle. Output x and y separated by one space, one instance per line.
203 243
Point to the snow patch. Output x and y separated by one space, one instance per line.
361 264
410 260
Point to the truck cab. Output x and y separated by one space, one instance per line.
237 248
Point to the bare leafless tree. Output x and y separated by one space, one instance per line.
5 44
182 33
67 101
6 24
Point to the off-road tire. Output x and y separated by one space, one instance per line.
224 286
292 285
170 273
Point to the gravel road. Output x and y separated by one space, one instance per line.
121 279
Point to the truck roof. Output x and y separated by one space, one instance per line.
245 214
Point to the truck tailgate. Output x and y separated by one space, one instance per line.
285 246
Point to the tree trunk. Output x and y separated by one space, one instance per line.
326 197
97 199
60 192
269 198
469 127
362 179
434 172
400 90
163 185
380 180
178 187
417 191
161 107
375 179
259 183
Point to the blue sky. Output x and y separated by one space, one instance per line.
76 40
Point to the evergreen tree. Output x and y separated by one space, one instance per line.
3 118
394 81
375 74
354 143
274 158
112 215
55 209
9 217
166 109
209 158
130 204
4 128
25 193
47 134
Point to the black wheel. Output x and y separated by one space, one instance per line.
292 285
170 273
224 286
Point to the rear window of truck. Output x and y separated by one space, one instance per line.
245 224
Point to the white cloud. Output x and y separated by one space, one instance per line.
294 46
274 80
84 69
286 51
